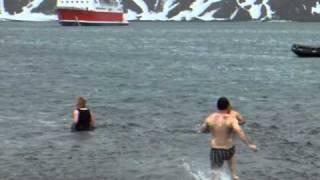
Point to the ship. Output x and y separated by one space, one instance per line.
90 13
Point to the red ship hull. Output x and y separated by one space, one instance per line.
87 17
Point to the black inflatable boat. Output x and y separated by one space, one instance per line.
305 51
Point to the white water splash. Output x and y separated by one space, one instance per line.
198 174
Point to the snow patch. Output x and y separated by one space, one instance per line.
256 9
151 15
316 9
28 17
131 15
198 8
233 15
26 14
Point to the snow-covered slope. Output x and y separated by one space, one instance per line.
206 10
26 13
179 10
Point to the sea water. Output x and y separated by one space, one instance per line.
150 85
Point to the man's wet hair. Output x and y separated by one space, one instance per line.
223 103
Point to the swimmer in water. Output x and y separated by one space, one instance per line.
83 119
222 125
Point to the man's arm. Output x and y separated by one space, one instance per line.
242 135
240 118
205 126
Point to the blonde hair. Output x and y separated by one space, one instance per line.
81 102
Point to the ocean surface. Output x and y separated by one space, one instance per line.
150 85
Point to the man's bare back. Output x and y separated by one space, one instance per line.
220 125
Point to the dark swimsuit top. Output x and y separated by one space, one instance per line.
84 120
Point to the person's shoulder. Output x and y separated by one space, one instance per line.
211 116
83 109
232 117
214 115
237 114
233 121
234 112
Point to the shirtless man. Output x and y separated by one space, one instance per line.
221 125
